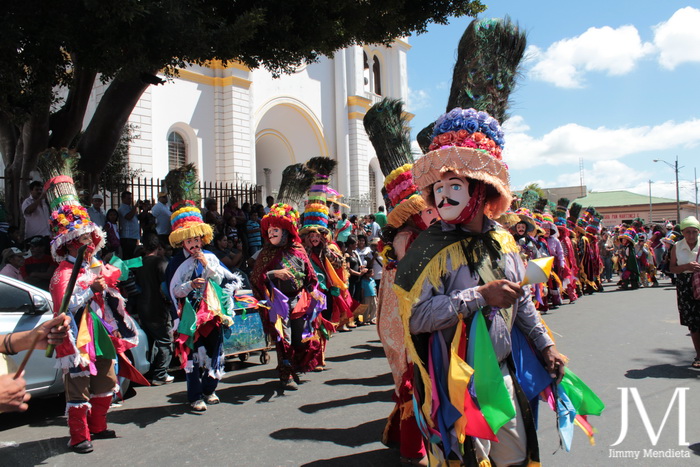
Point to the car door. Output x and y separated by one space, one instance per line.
23 307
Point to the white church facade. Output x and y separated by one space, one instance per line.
238 124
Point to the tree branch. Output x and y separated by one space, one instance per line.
68 121
102 134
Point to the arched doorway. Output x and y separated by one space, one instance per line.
287 132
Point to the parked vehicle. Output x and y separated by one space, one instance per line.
23 307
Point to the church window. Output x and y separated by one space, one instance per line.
377 75
177 151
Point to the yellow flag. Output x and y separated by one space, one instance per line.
84 337
460 374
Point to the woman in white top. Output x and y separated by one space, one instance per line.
684 262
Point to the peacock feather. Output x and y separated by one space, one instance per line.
388 130
321 165
486 70
183 184
296 181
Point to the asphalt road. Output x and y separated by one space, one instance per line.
615 339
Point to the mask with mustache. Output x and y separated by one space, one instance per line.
475 203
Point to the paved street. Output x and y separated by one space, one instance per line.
614 340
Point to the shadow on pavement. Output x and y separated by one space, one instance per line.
42 412
375 396
378 380
370 351
144 416
365 433
378 458
693 447
34 452
664 370
239 394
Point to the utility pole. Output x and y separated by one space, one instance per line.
678 194
650 205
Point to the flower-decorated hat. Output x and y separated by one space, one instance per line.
469 143
315 217
284 217
69 219
387 129
186 220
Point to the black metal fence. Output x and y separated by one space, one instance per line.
145 188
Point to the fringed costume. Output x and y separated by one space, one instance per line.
201 290
294 300
387 129
100 330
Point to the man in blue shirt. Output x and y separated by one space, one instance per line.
129 232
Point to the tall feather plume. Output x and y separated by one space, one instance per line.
486 71
321 165
540 205
562 207
183 184
529 199
296 181
388 130
574 211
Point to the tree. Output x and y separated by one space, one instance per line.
51 54
536 188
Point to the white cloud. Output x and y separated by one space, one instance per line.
418 99
571 142
605 50
605 174
678 39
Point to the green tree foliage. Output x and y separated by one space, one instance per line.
536 188
52 52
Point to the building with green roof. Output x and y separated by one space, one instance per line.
624 206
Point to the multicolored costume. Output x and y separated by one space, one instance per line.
387 129
294 301
201 290
324 254
479 368
101 330
629 267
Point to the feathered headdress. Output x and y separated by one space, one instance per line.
486 71
186 219
386 126
69 219
562 208
529 199
315 217
296 181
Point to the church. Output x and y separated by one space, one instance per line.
238 124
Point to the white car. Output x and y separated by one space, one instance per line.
23 307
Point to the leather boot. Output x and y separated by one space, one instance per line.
78 428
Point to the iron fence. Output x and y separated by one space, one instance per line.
145 188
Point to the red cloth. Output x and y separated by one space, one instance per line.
97 417
78 425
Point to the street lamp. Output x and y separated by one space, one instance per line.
678 196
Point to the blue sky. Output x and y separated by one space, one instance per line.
612 83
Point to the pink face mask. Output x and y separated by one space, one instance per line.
453 201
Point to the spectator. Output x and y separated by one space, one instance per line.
129 233
254 235
270 200
212 217
96 212
161 212
111 228
380 217
147 223
12 261
220 247
40 266
36 212
355 269
9 238
377 264
153 310
375 230
13 395
343 229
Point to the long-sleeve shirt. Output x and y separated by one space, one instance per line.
437 309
